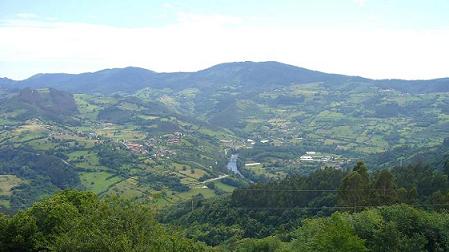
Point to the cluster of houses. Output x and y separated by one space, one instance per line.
149 148
309 156
314 156
136 148
154 147
232 144
174 138
327 160
163 152
251 142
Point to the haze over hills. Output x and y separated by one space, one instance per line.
255 75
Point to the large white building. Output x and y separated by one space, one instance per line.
306 158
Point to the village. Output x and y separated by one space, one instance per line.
155 147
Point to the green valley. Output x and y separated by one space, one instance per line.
239 155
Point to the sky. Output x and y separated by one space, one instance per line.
379 39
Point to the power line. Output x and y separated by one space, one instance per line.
312 208
337 207
200 200
313 190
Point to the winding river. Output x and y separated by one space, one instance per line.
232 165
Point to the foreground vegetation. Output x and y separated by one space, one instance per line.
278 208
80 221
392 228
392 219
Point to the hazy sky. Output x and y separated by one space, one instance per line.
372 38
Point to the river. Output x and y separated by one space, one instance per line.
232 164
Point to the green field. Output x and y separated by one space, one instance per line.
98 182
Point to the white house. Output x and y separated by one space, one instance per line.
306 158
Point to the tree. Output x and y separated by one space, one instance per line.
384 189
328 234
361 168
446 165
353 191
18 233
268 244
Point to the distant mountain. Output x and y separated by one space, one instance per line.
7 83
108 80
255 75
45 103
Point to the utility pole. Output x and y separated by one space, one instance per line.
401 159
192 204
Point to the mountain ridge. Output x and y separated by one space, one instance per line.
250 74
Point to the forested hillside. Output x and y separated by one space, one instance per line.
278 208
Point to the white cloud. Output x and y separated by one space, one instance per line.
168 5
207 20
27 15
360 2
196 42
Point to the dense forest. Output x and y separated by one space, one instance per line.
277 209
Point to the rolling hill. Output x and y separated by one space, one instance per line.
259 75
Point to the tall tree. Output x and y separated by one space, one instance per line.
446 167
361 168
383 189
353 191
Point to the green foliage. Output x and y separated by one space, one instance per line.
268 244
328 234
383 189
293 191
76 221
412 184
115 115
254 213
214 234
423 179
158 182
354 190
361 169
114 157
278 207
392 228
402 228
